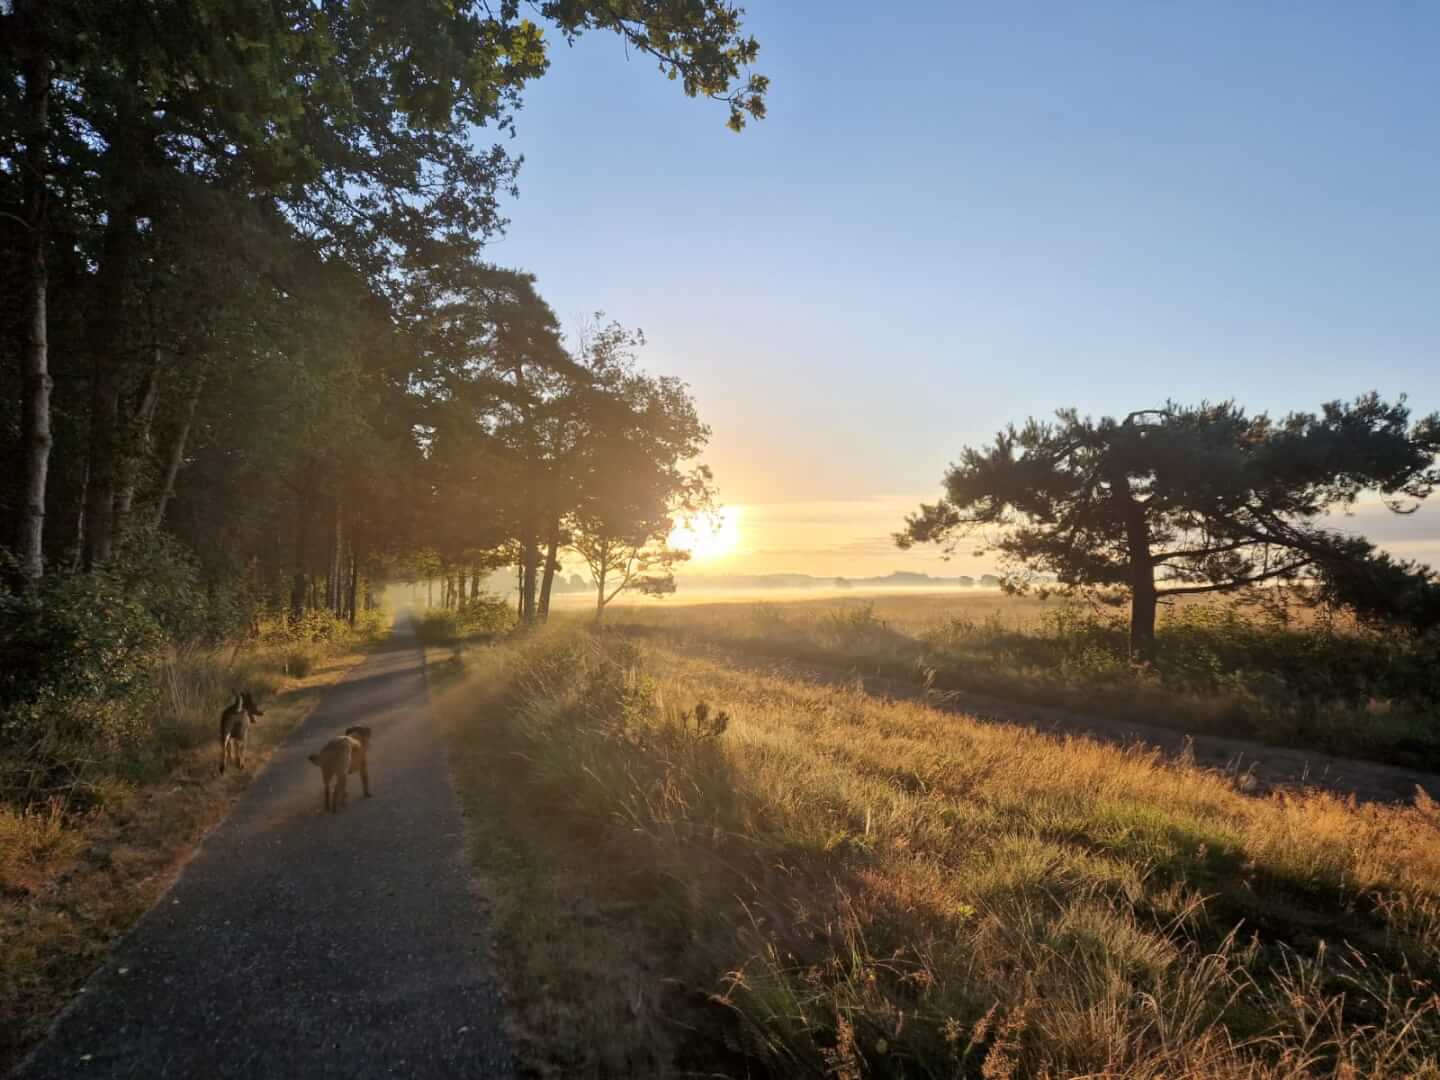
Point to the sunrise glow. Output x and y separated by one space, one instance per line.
708 537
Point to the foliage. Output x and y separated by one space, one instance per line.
76 666
479 619
1185 500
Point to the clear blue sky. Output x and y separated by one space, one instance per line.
957 215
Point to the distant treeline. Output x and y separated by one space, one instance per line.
899 579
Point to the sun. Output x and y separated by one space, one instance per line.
708 537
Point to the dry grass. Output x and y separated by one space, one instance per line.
842 886
1275 672
76 875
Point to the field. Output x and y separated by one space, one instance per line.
1265 668
701 866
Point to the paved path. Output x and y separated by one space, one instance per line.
299 944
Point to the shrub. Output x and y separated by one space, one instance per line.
852 627
76 666
438 627
480 619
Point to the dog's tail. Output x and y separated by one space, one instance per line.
314 759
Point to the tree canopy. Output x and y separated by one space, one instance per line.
241 249
1193 499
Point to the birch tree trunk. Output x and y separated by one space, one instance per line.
35 372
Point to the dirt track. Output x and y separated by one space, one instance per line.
300 944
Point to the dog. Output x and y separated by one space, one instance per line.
235 723
341 756
360 762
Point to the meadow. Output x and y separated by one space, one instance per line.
1264 667
697 867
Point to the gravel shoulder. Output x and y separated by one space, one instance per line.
298 943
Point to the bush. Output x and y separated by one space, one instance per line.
482 618
851 628
76 672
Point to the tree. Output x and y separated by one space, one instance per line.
622 529
354 129
629 476
1181 500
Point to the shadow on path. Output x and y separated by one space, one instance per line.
298 943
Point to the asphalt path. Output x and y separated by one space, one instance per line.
298 943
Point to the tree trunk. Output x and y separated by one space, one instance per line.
1142 584
299 585
354 586
176 454
1142 616
460 595
105 341
552 563
78 558
35 372
136 446
600 584
334 583
474 583
528 581
1141 570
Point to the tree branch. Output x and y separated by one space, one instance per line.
1224 586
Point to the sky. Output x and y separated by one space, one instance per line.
959 215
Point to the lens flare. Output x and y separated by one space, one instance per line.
708 537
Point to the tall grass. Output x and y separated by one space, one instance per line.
828 884
1245 670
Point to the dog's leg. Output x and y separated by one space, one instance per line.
365 773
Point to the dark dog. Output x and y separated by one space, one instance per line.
235 723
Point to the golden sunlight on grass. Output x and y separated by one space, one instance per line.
805 879
708 537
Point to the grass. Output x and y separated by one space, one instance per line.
829 884
77 871
1265 672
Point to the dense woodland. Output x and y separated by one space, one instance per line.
253 356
